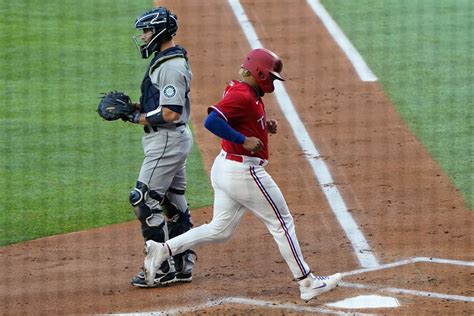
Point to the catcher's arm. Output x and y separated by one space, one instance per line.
161 115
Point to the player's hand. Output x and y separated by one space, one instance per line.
132 117
136 106
272 126
253 144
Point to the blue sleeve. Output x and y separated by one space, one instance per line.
218 126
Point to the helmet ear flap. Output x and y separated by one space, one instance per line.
171 24
265 66
168 24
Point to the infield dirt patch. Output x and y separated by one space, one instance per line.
404 204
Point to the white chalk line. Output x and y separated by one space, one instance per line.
249 302
325 181
408 291
361 247
394 290
311 309
360 66
410 261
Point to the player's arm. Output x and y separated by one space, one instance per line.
162 115
219 127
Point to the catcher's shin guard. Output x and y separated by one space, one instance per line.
151 220
155 233
184 264
180 224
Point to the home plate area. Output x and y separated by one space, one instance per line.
409 280
366 301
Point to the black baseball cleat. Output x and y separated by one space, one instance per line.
161 279
181 271
165 275
184 277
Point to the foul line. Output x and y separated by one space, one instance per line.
359 243
245 301
318 310
409 261
409 292
360 66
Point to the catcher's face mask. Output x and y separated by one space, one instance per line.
164 26
146 42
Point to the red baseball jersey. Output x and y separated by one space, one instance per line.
244 111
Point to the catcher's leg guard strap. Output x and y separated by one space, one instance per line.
174 202
180 224
156 196
170 209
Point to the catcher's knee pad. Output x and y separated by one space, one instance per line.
137 198
138 194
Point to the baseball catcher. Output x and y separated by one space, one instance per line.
163 111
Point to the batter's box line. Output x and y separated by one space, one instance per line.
394 290
247 302
408 291
410 261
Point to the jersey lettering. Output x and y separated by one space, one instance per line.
244 111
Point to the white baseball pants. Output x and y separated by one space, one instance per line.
239 187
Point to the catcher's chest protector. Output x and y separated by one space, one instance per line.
150 98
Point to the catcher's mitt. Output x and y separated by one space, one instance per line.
115 105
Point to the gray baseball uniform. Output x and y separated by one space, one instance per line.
166 146
159 191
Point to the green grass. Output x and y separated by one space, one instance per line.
62 168
422 52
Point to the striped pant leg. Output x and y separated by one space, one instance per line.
269 205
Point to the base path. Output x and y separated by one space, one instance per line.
404 205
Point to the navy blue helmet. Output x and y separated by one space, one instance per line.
164 25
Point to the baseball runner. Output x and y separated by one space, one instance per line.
239 178
158 197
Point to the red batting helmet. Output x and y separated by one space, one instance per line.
265 66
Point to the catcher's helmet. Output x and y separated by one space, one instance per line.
265 66
164 25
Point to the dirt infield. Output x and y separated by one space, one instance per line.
406 207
